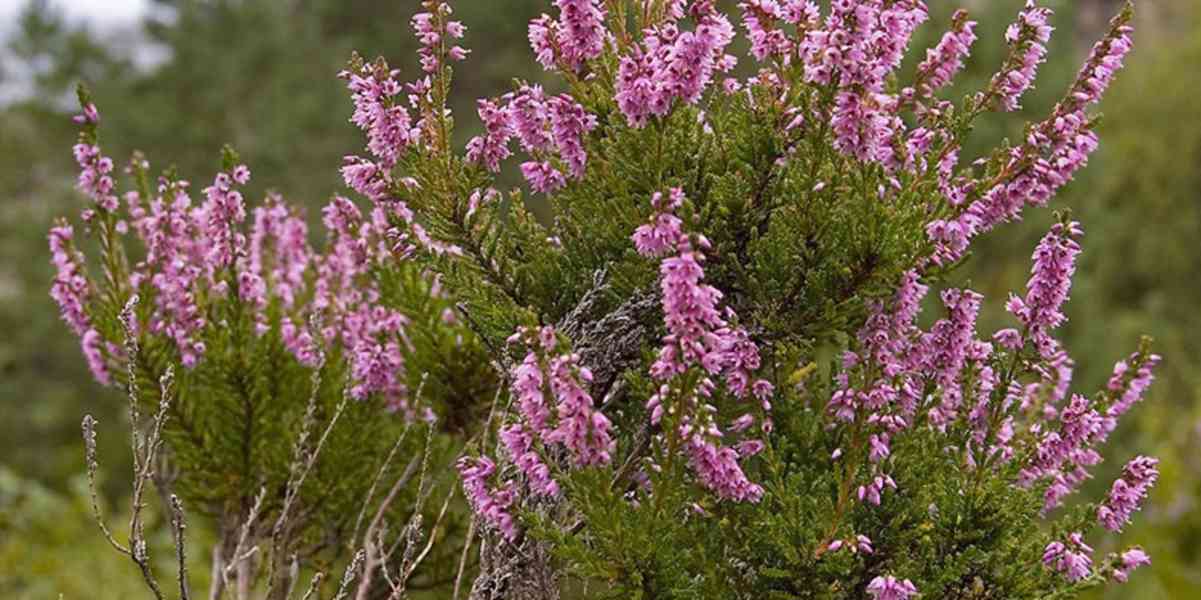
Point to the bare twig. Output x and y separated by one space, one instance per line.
463 558
240 552
379 475
349 576
89 445
314 584
179 526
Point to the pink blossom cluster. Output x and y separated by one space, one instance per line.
860 45
673 64
555 413
944 61
577 36
435 30
349 303
1074 558
1128 493
1027 38
887 587
1128 562
698 335
1053 150
493 505
555 408
95 176
196 255
72 290
764 21
550 129
219 218
901 375
1041 310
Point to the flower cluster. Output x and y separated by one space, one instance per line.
577 36
555 412
1053 150
1007 386
1128 493
673 64
72 290
861 44
554 406
699 336
546 127
199 258
944 61
434 30
1041 311
1074 559
492 505
890 588
764 20
1026 38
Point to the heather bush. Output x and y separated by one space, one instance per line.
711 372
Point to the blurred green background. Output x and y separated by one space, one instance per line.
186 76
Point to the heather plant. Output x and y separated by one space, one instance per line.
711 372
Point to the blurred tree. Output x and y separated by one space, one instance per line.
247 72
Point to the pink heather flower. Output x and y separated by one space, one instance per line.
491 505
1050 281
1103 62
543 177
373 336
279 250
1026 38
70 289
945 60
890 588
717 468
698 336
947 346
365 177
95 177
92 344
492 147
520 446
569 123
89 115
1129 383
378 113
1130 560
434 31
542 34
864 126
1128 493
1073 559
663 234
573 421
221 215
673 65
760 18
544 126
175 266
1063 456
578 36
530 119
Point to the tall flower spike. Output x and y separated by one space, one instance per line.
699 337
1027 39
1041 310
1128 493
